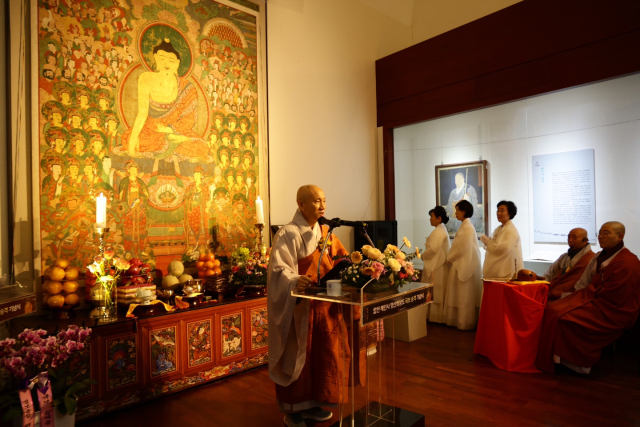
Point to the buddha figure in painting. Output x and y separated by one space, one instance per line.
167 112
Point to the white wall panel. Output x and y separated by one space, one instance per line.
604 116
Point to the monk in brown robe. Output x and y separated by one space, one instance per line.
567 270
605 303
307 342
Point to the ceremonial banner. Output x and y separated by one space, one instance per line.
158 105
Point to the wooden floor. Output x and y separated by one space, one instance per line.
438 376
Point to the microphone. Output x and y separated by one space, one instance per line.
337 222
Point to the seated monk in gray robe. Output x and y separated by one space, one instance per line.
567 270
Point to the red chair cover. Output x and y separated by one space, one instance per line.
510 324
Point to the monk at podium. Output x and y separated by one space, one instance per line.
306 341
606 302
567 270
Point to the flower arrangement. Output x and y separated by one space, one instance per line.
248 268
36 358
106 269
392 267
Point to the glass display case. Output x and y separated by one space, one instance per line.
17 296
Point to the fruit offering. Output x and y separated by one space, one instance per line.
60 285
208 266
138 273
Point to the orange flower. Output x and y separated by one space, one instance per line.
369 271
406 242
356 257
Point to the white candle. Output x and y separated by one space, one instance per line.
259 211
101 211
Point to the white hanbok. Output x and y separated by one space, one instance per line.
436 270
504 253
464 286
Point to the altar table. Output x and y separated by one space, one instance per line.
510 324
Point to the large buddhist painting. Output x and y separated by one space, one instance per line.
155 105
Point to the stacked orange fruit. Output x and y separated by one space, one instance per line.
61 284
208 266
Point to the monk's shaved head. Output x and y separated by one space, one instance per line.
311 203
578 238
617 227
581 232
307 192
611 235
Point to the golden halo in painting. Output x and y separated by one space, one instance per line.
160 36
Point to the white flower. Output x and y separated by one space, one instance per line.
394 264
374 253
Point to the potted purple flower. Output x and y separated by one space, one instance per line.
44 373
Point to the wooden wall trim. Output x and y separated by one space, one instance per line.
609 58
389 175
530 48
527 31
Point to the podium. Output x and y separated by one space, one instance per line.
374 403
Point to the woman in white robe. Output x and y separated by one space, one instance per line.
465 282
504 250
436 269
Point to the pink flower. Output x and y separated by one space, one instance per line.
410 269
72 334
72 346
98 259
27 335
379 269
15 362
84 334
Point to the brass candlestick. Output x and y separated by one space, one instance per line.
260 247
102 232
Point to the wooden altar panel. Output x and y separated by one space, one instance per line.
121 364
162 344
231 335
258 328
200 343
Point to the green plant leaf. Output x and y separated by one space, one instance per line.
70 404
75 388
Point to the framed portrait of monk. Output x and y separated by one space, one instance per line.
159 107
464 181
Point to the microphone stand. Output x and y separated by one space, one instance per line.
324 246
